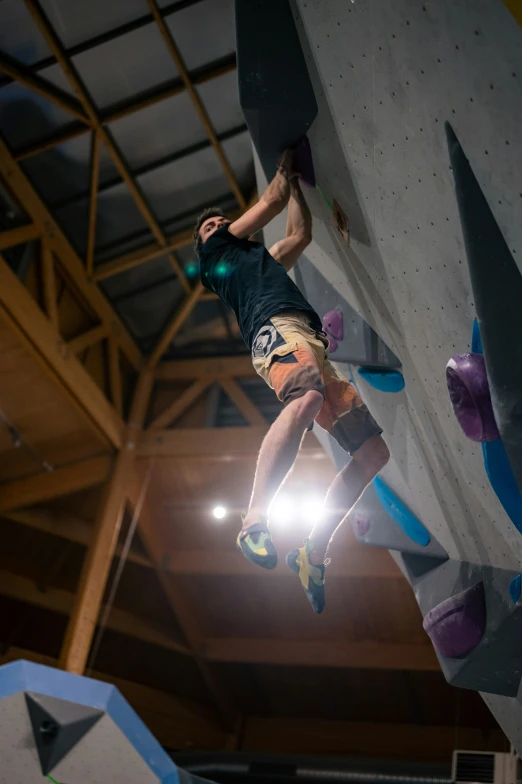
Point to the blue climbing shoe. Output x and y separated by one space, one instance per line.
311 576
256 545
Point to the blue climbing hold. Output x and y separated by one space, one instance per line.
502 480
476 339
496 462
383 380
514 588
400 514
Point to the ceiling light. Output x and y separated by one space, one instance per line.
312 509
282 510
219 512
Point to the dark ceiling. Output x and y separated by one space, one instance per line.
127 70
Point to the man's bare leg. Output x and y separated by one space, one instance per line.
279 451
345 490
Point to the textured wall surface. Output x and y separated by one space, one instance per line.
386 77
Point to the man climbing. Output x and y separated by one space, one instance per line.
289 351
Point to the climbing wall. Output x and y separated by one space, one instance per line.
387 77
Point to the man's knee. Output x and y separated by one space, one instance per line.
373 454
308 406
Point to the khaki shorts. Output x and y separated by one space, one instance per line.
292 358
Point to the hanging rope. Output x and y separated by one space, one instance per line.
119 571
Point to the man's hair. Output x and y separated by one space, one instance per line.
210 212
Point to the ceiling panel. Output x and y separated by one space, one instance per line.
204 31
76 21
19 35
132 63
184 184
26 117
159 130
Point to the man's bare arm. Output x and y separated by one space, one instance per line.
298 229
272 202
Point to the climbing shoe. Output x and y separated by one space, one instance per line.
311 576
256 545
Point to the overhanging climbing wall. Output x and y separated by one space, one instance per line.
387 77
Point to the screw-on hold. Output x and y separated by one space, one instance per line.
48 729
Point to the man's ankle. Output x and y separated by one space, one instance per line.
317 555
252 517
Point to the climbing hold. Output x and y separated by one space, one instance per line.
457 625
382 379
514 588
502 480
469 393
361 524
303 162
333 325
58 725
275 90
400 514
497 292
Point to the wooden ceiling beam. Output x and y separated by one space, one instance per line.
325 653
185 617
57 600
176 722
50 295
242 402
95 570
221 443
52 484
87 339
169 90
93 201
22 74
102 547
180 405
68 527
189 369
71 265
175 325
104 134
360 562
136 257
21 313
13 237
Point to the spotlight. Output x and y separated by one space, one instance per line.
219 512
311 510
282 510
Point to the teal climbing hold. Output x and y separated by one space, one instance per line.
382 379
514 588
400 514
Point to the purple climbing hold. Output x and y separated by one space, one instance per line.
457 625
333 325
361 524
469 393
303 162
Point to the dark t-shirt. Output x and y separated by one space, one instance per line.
250 281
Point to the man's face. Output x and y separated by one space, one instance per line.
210 226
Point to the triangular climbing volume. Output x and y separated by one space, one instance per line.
58 725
